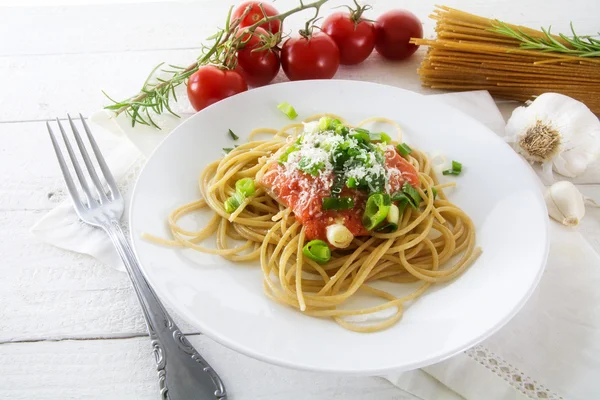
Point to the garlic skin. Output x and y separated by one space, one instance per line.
557 131
565 203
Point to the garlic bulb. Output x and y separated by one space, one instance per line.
557 131
565 203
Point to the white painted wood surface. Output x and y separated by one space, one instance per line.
70 327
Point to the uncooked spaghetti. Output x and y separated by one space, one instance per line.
430 241
469 54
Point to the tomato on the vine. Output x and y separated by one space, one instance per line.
210 84
354 36
313 57
256 14
393 31
257 67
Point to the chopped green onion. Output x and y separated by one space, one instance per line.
401 197
380 137
232 203
338 203
455 170
339 127
227 150
325 123
342 130
434 191
307 165
335 123
456 166
361 136
284 157
377 208
351 183
317 250
391 220
387 228
403 149
288 110
245 187
451 172
233 135
412 194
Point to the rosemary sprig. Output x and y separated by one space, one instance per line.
581 46
156 93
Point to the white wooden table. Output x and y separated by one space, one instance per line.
70 327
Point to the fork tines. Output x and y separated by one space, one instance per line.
91 198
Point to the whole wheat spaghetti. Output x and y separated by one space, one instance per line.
433 242
468 55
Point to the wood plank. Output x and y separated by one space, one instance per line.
48 292
124 369
91 28
74 83
33 180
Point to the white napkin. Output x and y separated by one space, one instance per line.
554 341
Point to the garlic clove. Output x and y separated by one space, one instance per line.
565 203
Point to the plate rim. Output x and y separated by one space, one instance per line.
239 348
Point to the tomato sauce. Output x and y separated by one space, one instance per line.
304 194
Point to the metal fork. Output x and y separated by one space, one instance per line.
182 373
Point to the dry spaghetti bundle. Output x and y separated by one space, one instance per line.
471 53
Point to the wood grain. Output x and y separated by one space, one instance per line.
61 60
123 369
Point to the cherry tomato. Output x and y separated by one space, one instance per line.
210 84
354 39
393 30
257 67
316 57
256 15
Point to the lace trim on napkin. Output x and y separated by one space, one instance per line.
512 375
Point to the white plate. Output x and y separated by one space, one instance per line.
226 301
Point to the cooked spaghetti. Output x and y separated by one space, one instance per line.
329 209
468 54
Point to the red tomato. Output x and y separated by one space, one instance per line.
256 15
393 30
210 84
316 57
257 67
355 40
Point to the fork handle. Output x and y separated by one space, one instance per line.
182 373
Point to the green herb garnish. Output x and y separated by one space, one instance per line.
233 135
455 170
403 149
317 250
337 203
377 208
287 109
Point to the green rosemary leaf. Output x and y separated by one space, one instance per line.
228 20
151 74
581 46
591 54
